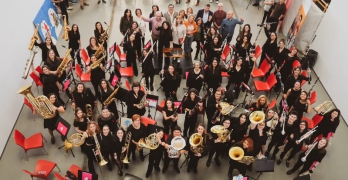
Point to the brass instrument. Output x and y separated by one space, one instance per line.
111 98
96 63
99 50
257 117
177 144
303 159
89 111
196 140
64 64
307 134
29 62
41 103
237 154
143 100
75 140
124 157
324 107
66 30
150 142
222 132
271 124
97 145
226 108
103 36
34 38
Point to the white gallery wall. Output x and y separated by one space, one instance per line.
17 29
331 44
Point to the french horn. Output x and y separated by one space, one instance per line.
150 142
75 140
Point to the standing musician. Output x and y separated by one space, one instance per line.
81 120
218 147
240 128
248 148
53 63
138 131
237 74
97 74
126 21
246 31
269 47
191 105
328 124
260 104
141 23
106 141
90 144
259 136
172 152
81 97
156 154
286 66
134 29
98 32
197 152
148 71
108 118
292 78
120 140
301 105
134 98
293 93
280 54
278 137
178 32
243 47
170 120
45 46
166 36
212 75
74 43
293 143
250 62
171 82
212 32
195 77
271 119
93 46
315 155
130 49
105 90
214 50
213 109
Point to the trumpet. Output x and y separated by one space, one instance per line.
324 107
303 159
34 38
66 30
196 142
29 62
307 134
97 145
273 124
124 157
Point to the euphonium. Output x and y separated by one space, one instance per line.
41 104
324 107
97 145
111 98
257 117
124 157
97 62
29 62
103 36
34 38
237 154
89 111
64 64
74 141
66 30
150 142
197 141
221 131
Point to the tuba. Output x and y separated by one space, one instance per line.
41 104
64 64
196 140
257 117
66 30
150 142
324 107
97 145
89 111
97 62
29 62
124 157
74 141
34 38
111 98
221 131
237 154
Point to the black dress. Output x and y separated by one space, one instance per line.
212 53
90 51
148 69
279 56
44 50
286 67
170 83
239 130
130 51
49 84
325 126
97 74
193 161
292 144
213 77
53 65
259 140
84 98
97 35
300 109
211 110
89 148
137 40
194 81
74 44
292 97
81 125
190 121
51 123
169 124
278 138
117 146
106 147
137 134
268 48
236 78
290 81
103 95
111 121
164 42
131 100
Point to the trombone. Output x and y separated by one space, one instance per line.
324 107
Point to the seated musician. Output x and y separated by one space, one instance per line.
248 148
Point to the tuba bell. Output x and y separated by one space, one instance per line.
237 154
257 117
75 140
150 142
196 140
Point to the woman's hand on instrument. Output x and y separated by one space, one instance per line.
54 108
123 149
276 117
174 92
292 136
201 76
217 140
281 119
198 154
310 146
96 152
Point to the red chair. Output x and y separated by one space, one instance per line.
85 57
37 80
258 51
26 102
316 119
42 170
264 68
313 97
146 120
265 86
39 69
309 122
161 105
272 104
224 74
126 72
295 64
74 169
58 176
304 73
119 54
83 76
225 53
127 85
33 142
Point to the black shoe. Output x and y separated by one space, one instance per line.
147 174
126 166
290 172
273 157
177 170
279 161
250 168
109 167
256 4
142 158
104 1
217 161
53 140
164 170
157 168
287 164
151 88
188 169
63 138
208 163
267 152
98 2
194 171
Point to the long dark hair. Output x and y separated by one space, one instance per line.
84 87
101 27
242 32
125 13
48 61
167 31
194 91
165 104
338 116
124 134
77 30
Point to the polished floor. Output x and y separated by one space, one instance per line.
13 159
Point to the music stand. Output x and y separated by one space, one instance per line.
84 175
152 103
263 165
248 90
63 127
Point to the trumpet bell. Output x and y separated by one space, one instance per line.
236 153
178 143
257 117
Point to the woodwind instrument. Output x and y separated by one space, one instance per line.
176 109
111 98
66 29
124 157
193 110
96 63
34 38
64 64
99 50
103 36
123 39
29 62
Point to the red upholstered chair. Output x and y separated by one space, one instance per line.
265 86
161 105
225 53
264 68
146 120
309 121
258 51
316 119
58 176
83 76
127 72
128 85
313 97
296 63
74 169
37 80
224 74
42 170
33 142
85 57
26 102
272 104
39 69
119 54
304 73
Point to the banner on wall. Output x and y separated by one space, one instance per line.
48 21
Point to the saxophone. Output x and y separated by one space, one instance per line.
97 62
99 50
64 64
143 101
34 38
103 36
111 98
66 30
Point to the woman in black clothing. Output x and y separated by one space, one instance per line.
156 155
237 74
148 71
195 77
74 43
240 127
106 141
258 134
81 97
286 66
214 50
292 78
63 8
243 47
301 105
119 148
212 32
213 109
278 137
99 30
105 90
247 146
191 106
92 47
260 104
269 48
198 37
246 31
129 48
138 131
53 63
134 29
328 124
90 144
316 155
249 65
293 93
108 118
212 75
171 82
126 21
155 8
97 74
271 118
45 46
80 122
280 54
170 120
293 143
133 99
195 154
166 36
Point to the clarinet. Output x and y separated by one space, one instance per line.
183 99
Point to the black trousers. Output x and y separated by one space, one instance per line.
72 54
148 76
198 47
295 149
274 25
132 149
131 62
189 124
275 142
64 10
217 149
167 161
91 158
170 94
265 16
154 160
299 163
247 76
239 166
229 38
193 162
